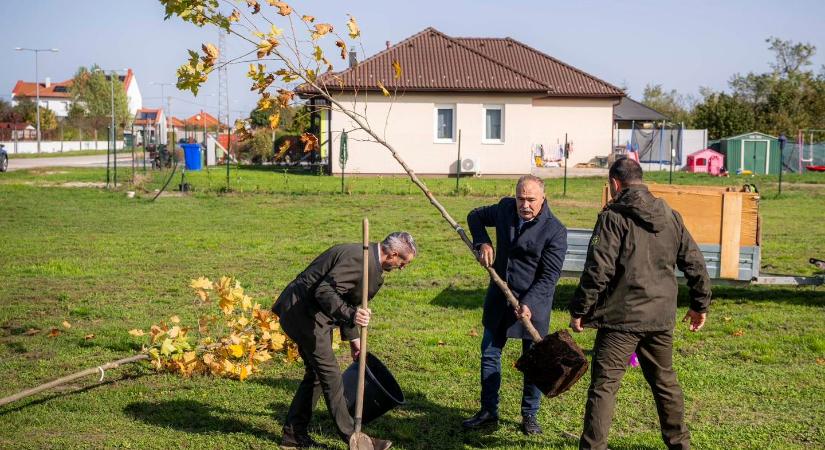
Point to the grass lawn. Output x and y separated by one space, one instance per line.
753 378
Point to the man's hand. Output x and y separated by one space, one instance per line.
486 255
696 319
362 317
355 348
523 311
576 324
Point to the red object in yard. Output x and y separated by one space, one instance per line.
706 161
815 168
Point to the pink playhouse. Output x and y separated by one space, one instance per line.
706 161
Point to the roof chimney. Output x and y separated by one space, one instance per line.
353 58
48 82
388 44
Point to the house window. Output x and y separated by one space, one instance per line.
493 117
444 123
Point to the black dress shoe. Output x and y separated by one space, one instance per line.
480 419
529 425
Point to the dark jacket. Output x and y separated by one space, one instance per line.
328 292
530 262
629 279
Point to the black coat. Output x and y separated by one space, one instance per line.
328 292
530 263
628 282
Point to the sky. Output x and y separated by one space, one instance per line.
682 45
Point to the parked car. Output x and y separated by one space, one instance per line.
4 158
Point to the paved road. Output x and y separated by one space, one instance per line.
67 161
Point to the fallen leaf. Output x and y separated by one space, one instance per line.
174 319
820 361
89 336
473 332
441 343
54 332
66 324
203 282
726 318
739 332
31 332
236 350
136 332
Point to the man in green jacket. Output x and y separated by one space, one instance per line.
628 292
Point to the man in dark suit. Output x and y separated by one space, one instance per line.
530 247
325 295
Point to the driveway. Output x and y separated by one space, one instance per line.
67 161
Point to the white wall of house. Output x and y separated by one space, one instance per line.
59 106
134 96
411 130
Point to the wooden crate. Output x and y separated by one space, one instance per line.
714 215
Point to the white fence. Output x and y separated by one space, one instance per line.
13 147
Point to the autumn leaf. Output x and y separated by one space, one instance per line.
31 332
383 89
354 31
243 321
441 343
174 319
202 282
285 97
236 350
283 148
396 67
54 332
174 332
308 19
167 348
262 357
319 54
310 142
275 32
89 336
310 74
211 54
343 46
283 8
256 7
266 46
739 332
66 324
235 16
321 29
473 332
136 332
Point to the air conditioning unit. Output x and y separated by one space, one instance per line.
470 165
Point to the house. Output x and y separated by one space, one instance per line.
755 152
11 131
177 127
58 98
195 125
150 126
54 96
504 98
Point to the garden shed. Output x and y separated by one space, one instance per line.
755 151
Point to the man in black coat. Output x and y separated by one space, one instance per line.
628 292
530 247
325 295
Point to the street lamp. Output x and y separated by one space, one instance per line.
37 82
112 134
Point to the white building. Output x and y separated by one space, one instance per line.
58 98
505 99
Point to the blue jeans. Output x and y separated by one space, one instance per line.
491 345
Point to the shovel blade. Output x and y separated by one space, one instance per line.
555 364
360 441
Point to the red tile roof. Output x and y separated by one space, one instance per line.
175 122
29 89
206 119
432 61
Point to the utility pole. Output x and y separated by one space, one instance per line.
37 82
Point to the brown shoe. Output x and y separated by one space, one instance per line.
380 444
292 440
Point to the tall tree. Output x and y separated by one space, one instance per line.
92 93
790 56
670 103
26 111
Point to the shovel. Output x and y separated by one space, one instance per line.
359 440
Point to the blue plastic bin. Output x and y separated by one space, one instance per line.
192 156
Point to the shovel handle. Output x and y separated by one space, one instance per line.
362 357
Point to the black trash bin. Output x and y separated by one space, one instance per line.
381 392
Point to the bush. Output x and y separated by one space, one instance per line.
258 149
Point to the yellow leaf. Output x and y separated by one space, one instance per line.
156 333
266 46
283 8
203 282
262 356
167 348
235 16
383 89
89 336
66 324
310 75
174 332
354 31
243 321
258 34
228 367
227 305
208 358
274 120
236 350
277 342
174 319
189 357
136 332
319 54
210 50
275 31
321 29
308 19
285 98
396 67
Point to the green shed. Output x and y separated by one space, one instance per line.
755 151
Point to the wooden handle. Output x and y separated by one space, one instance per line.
362 357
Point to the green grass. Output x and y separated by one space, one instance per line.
107 264
57 154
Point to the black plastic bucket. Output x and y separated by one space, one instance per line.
381 392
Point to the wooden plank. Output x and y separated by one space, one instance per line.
731 234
